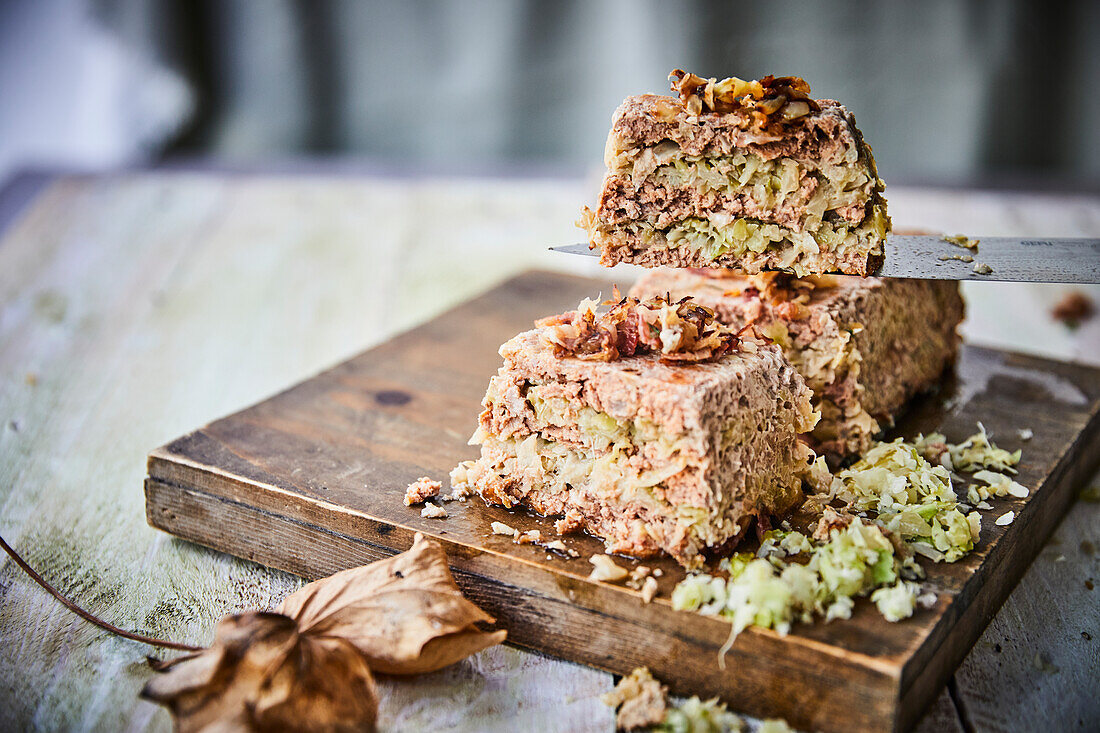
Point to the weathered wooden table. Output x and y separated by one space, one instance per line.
134 307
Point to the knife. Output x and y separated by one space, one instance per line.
1019 259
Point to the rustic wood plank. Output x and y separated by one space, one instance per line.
336 452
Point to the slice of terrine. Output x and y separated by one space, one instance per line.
864 345
650 425
747 175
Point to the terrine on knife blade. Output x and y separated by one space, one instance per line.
747 175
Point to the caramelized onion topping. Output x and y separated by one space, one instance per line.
763 103
677 331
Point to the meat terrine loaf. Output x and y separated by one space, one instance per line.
864 345
652 426
748 175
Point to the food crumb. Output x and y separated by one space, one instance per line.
460 481
638 576
1025 434
421 490
983 269
605 569
560 547
961 258
31 379
502 528
529 537
641 700
1006 518
961 240
433 511
1091 493
649 589
1073 308
1060 558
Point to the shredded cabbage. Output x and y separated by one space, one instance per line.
910 497
700 716
976 452
773 593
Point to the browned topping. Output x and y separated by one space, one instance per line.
421 490
764 103
679 332
1073 308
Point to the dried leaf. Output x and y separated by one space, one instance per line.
261 674
404 614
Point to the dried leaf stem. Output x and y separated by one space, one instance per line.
87 616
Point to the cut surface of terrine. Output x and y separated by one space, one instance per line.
864 345
751 176
648 455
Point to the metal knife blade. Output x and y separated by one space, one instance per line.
1019 259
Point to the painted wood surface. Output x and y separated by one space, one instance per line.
137 306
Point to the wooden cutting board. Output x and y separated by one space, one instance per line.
311 481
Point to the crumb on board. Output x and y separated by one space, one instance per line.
605 569
421 490
502 528
960 258
460 481
530 537
559 546
1025 434
1073 308
1006 518
433 511
649 589
640 699
638 576
983 269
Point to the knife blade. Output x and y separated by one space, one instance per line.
1017 259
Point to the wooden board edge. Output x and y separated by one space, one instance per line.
925 674
541 621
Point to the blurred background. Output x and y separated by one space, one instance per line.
996 93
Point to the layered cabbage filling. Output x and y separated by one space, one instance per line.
806 194
632 478
714 210
553 477
828 364
722 238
